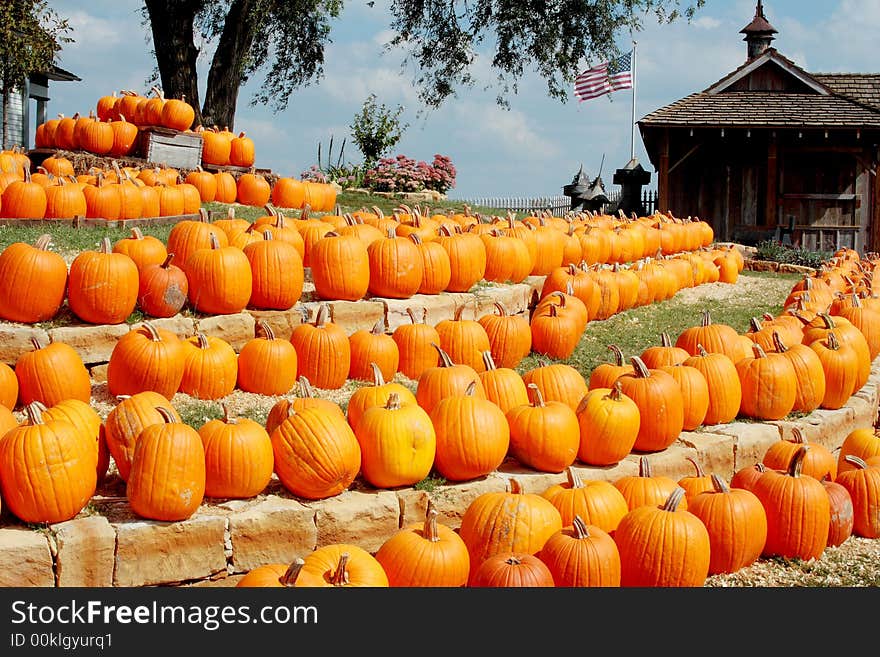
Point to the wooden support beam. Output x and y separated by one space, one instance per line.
663 173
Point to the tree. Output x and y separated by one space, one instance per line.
285 39
30 36
376 130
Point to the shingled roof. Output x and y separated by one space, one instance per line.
841 100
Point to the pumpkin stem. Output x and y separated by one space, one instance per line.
641 370
430 532
471 389
202 340
574 479
321 316
796 465
152 331
263 326
833 342
167 414
488 361
674 499
697 466
378 379
718 484
445 360
616 393
535 394
618 354
305 387
43 241
644 467
857 461
34 413
292 572
340 576
393 403
665 340
758 350
798 436
580 527
778 343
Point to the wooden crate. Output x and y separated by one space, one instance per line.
163 146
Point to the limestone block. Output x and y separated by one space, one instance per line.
610 473
276 530
714 452
93 343
671 462
752 440
355 315
431 309
282 322
98 373
530 481
452 501
15 339
181 326
236 329
366 519
514 298
86 551
150 552
25 559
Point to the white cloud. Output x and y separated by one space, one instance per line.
706 23
508 131
91 31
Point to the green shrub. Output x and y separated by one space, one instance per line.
776 251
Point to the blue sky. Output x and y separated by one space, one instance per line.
533 148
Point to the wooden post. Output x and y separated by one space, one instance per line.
663 173
873 211
770 208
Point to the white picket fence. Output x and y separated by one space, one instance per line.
558 205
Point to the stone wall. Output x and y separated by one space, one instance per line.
106 545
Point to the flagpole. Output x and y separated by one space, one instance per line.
632 143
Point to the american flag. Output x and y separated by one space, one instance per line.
606 77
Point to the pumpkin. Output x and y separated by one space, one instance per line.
227 188
8 387
554 335
398 444
819 462
736 523
220 278
316 453
177 114
863 442
64 200
425 553
715 338
287 192
162 288
840 365
507 521
102 285
23 267
665 545
863 484
467 259
464 340
768 385
24 199
238 457
809 374
340 267
746 476
267 364
241 151
510 336
694 393
276 271
605 374
436 267
558 382
86 419
609 424
146 358
127 419
798 511
503 386
373 348
210 367
341 565
415 345
445 380
270 574
189 235
659 397
167 477
142 249
664 354
47 469
842 513
307 399
599 503
396 267
51 374
581 554
646 488
375 395
473 436
513 569
507 258
323 351
724 387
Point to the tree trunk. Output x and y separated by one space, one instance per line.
227 67
172 26
5 115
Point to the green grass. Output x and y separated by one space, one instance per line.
195 413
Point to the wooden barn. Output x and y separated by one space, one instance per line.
771 150
21 120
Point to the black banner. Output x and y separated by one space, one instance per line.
119 621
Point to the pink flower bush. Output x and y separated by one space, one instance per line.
404 174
